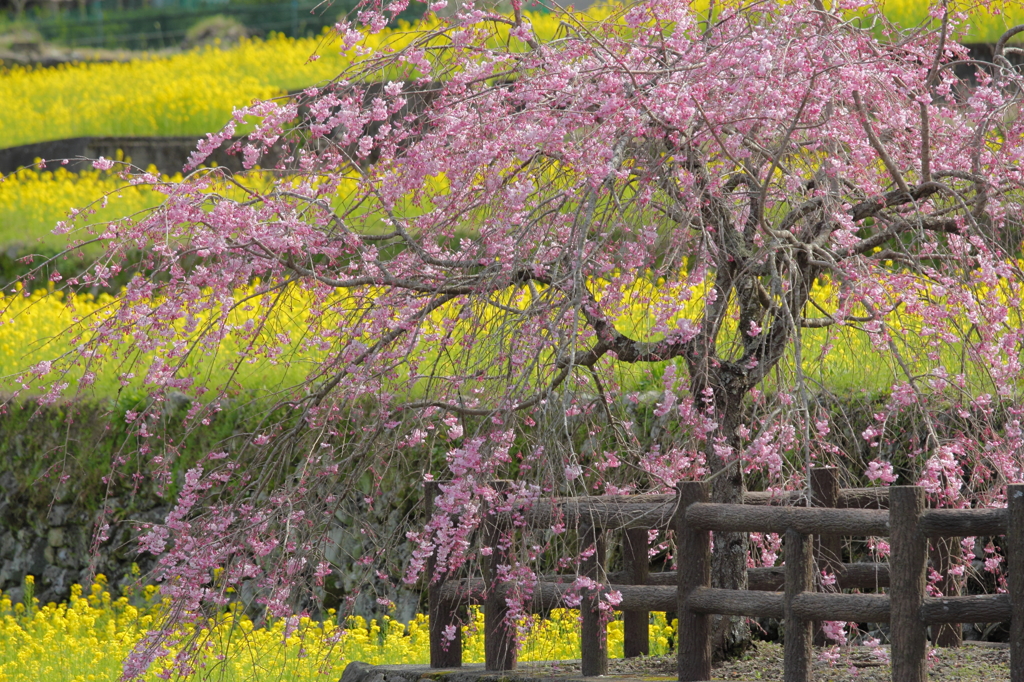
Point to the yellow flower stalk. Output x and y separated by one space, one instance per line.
86 639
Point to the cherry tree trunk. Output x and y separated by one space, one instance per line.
730 635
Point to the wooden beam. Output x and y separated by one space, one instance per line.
908 562
693 554
635 623
975 608
1015 577
742 518
712 600
593 635
799 641
964 522
857 608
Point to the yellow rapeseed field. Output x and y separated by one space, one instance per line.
185 94
195 92
32 202
985 25
35 327
87 638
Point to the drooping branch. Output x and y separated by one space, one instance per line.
879 148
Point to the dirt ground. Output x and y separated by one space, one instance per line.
969 663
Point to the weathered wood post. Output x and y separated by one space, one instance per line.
908 566
593 634
825 493
636 624
499 634
444 614
693 569
1015 578
828 548
945 552
799 632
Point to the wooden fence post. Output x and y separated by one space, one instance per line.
443 614
825 493
593 634
693 570
499 634
908 566
799 632
1015 578
636 624
828 548
943 552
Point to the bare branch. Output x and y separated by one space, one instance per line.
897 176
1001 43
926 158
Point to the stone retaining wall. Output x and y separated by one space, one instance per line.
55 542
168 154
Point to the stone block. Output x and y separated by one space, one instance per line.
58 515
55 537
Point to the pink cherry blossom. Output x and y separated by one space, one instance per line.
649 236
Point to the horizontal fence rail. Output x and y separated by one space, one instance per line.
964 522
741 518
812 527
615 512
848 576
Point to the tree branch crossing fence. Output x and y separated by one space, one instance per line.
812 540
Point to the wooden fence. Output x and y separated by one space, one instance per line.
812 537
